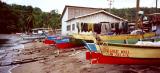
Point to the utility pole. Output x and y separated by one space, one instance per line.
156 5
110 5
137 10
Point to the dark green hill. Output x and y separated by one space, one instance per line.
17 18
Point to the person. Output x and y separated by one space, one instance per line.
44 33
154 28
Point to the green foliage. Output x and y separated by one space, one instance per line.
18 18
54 19
130 13
8 19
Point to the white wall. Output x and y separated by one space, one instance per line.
73 22
64 23
100 17
97 18
79 11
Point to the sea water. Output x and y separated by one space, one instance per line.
8 51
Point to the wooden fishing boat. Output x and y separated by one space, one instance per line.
49 40
32 36
68 43
62 42
114 37
52 40
129 54
105 52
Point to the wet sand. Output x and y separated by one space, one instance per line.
70 62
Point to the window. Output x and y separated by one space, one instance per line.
116 25
112 25
73 26
68 27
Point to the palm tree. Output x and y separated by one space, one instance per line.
30 19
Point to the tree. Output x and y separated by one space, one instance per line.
8 19
54 20
18 18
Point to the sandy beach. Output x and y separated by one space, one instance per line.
48 61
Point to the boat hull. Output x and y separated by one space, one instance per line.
72 43
49 42
121 53
52 40
98 58
67 45
63 42
124 54
130 50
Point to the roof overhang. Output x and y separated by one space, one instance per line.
67 6
101 11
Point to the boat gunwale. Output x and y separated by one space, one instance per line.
132 45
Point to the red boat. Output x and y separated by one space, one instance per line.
49 42
63 42
123 54
98 58
119 53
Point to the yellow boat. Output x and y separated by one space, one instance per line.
120 53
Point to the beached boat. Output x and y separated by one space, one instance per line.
32 37
63 42
114 37
51 40
105 51
128 54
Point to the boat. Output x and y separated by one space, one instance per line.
63 42
129 54
115 37
50 40
32 36
104 50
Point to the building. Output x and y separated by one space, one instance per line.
41 30
72 15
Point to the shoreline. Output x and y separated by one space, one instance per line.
26 55
71 62
20 51
7 57
10 70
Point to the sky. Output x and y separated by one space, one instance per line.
48 5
